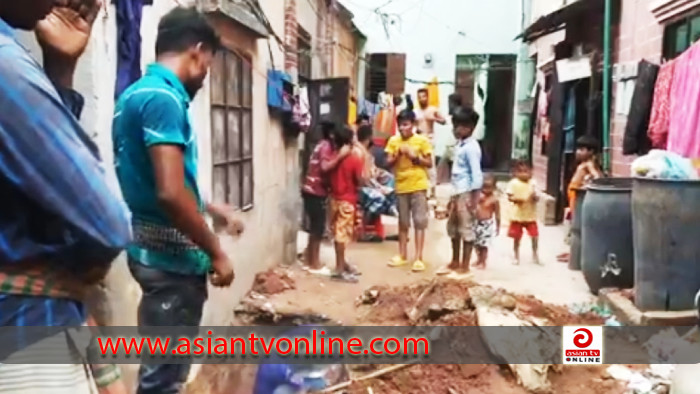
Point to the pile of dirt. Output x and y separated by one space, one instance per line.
485 379
273 281
445 302
448 304
556 315
443 379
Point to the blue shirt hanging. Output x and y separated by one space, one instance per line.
129 13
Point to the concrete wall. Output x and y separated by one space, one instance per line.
311 16
271 225
345 51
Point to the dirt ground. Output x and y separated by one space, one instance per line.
387 305
542 292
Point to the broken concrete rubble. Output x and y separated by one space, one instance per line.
491 313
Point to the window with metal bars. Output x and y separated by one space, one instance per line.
680 35
232 129
304 55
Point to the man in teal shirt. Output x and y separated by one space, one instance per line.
155 150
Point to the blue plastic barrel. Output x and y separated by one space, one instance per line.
607 253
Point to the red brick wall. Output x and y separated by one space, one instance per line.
291 61
641 37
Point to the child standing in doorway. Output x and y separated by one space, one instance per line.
522 192
467 180
410 154
488 220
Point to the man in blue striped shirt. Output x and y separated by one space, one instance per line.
60 223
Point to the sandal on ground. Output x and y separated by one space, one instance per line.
418 266
397 261
352 269
344 277
323 271
445 270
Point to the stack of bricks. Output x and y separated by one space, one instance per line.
291 30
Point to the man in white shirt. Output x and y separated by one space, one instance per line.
426 117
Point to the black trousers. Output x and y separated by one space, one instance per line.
172 300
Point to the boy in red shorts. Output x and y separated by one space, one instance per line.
345 182
522 192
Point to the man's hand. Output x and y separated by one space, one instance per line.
65 32
225 217
223 274
410 153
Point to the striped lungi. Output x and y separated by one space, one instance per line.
73 377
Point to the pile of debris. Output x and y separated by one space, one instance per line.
273 281
446 302
257 309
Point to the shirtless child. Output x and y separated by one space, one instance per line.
587 170
488 220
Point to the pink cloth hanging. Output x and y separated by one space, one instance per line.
684 127
661 107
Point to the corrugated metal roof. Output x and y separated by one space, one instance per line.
556 20
237 10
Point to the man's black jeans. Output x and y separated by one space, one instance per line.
168 299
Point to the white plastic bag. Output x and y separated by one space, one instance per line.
663 164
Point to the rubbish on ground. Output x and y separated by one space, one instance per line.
619 372
612 322
656 379
367 297
601 310
661 164
256 311
372 375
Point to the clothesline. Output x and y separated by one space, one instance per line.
665 107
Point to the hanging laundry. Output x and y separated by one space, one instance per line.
481 80
384 122
301 112
661 107
636 140
683 136
129 13
352 111
368 108
434 93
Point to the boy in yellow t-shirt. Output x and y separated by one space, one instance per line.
411 156
522 191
